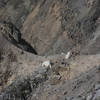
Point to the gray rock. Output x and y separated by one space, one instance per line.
9 31
97 86
97 95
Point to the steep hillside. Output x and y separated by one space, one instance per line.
49 49
55 26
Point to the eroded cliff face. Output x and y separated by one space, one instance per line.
59 26
55 26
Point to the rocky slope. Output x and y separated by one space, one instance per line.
35 31
55 26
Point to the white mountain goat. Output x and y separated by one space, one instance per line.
67 56
46 64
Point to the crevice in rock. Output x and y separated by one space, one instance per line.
13 35
26 46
